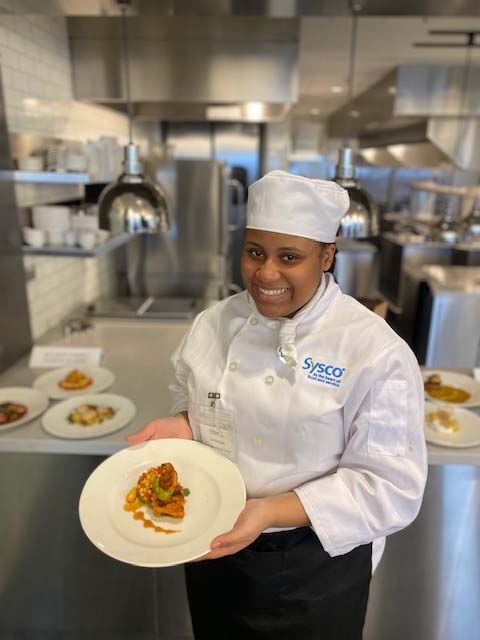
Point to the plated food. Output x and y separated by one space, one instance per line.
442 420
67 382
217 497
451 388
19 405
159 489
75 380
434 387
89 416
11 411
451 427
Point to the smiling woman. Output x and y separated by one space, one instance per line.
282 272
320 404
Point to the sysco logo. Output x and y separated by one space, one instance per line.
322 368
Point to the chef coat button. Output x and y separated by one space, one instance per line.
233 366
258 441
254 321
269 380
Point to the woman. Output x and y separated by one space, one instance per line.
321 408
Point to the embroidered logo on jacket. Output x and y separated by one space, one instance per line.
324 373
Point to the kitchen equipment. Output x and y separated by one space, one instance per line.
177 273
152 309
467 254
449 227
446 329
132 203
356 268
361 219
399 252
472 223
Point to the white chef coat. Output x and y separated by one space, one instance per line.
344 429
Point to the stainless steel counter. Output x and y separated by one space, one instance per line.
138 352
39 523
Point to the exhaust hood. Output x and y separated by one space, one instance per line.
413 115
189 67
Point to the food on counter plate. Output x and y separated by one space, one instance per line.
442 421
435 389
75 380
11 411
157 488
89 414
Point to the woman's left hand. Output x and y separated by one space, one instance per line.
253 520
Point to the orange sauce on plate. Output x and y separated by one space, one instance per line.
139 515
446 393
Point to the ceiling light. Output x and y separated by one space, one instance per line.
224 112
369 154
315 112
30 102
392 90
132 203
254 111
336 88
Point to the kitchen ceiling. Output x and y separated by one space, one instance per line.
387 31
271 8
383 43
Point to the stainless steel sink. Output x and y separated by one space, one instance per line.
147 308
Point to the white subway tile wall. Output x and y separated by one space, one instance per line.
62 284
38 95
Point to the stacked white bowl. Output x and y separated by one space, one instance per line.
54 220
86 229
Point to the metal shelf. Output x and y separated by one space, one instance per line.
77 252
44 177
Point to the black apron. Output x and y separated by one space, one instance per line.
284 586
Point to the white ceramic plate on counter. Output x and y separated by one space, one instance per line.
49 382
35 402
217 496
468 434
458 381
56 422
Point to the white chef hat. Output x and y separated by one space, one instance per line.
297 206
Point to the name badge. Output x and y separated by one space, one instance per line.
217 428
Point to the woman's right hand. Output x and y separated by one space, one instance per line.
174 427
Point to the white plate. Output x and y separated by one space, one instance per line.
56 423
48 382
458 380
468 436
217 496
35 401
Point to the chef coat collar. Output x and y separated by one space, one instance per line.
287 351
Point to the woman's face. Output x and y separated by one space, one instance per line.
282 272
